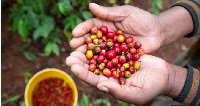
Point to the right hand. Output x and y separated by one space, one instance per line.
140 24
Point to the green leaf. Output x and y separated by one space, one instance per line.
84 99
27 76
56 9
154 8
15 24
22 29
68 35
30 56
126 2
42 30
78 21
102 101
65 6
22 103
73 24
87 15
33 19
159 4
37 32
112 1
90 104
55 49
48 22
12 99
48 49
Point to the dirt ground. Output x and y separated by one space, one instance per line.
14 63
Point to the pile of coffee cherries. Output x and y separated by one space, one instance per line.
113 54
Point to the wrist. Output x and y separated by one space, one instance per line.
174 24
177 78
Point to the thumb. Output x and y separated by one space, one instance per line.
124 92
117 13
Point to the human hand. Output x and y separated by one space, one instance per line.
140 24
155 77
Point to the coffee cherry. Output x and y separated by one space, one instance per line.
140 51
119 32
117 50
89 54
105 61
92 61
118 66
121 74
102 66
137 44
124 47
128 56
109 44
110 54
109 64
122 68
104 30
129 39
102 45
132 69
132 50
100 41
96 50
93 30
96 41
130 63
113 69
115 38
122 81
127 74
92 67
131 45
101 59
107 72
117 56
120 38
114 61
116 44
88 40
136 56
99 34
104 38
95 57
126 65
122 58
93 37
115 74
136 65
90 46
97 71
110 35
103 52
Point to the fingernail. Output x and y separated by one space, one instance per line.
104 89
94 4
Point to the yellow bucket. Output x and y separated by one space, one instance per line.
45 74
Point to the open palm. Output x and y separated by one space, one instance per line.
148 82
140 24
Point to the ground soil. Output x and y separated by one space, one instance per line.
14 64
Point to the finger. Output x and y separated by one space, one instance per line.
117 13
123 92
82 49
79 55
86 75
85 27
74 60
76 42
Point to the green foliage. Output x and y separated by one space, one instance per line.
35 19
84 101
12 99
126 2
27 76
156 6
125 104
102 101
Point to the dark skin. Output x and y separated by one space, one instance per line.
154 31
